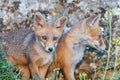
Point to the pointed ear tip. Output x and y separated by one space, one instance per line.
38 13
64 18
36 16
93 18
39 16
97 16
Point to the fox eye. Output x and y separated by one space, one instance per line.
40 25
44 37
55 38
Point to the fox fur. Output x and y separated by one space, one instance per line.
70 50
31 50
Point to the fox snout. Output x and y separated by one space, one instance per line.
49 49
99 46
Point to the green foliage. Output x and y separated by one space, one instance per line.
118 41
5 69
82 76
6 72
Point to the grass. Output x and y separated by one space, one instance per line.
6 72
5 69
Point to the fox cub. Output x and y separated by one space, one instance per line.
31 50
70 50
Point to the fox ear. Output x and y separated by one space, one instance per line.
93 21
39 20
61 22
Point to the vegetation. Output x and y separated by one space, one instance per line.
6 72
106 67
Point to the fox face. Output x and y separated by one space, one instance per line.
93 34
48 34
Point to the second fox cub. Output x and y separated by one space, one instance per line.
31 50
70 50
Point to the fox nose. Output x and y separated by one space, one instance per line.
50 49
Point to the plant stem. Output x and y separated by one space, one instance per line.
116 51
110 41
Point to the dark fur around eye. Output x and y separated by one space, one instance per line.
55 38
39 24
44 37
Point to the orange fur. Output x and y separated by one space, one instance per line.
71 47
31 50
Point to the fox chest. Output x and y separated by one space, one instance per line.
44 59
40 57
78 53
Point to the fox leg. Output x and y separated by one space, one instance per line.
23 68
43 70
25 71
69 72
33 70
50 74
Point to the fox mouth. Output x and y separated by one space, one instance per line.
92 49
47 51
99 48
